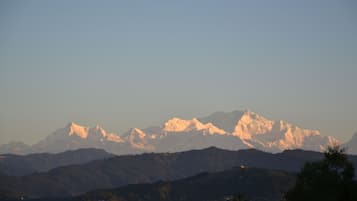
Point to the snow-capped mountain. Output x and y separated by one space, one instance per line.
234 130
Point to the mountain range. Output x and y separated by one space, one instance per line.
228 130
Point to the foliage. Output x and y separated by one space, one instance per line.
329 180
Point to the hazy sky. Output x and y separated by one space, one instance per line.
135 64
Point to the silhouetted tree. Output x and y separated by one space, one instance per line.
328 180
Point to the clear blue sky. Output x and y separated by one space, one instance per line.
136 63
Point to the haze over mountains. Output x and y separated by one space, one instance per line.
234 130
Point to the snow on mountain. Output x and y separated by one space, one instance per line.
75 136
181 125
251 124
233 130
75 129
259 132
92 133
138 139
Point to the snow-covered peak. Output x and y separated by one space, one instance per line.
96 132
233 130
181 125
259 131
138 139
75 129
250 124
137 132
114 138
249 116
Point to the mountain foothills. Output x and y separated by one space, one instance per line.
219 186
119 171
19 165
234 130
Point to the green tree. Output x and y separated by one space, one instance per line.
328 180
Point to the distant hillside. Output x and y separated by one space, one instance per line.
19 165
255 184
122 170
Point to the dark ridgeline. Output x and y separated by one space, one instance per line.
255 184
19 165
146 168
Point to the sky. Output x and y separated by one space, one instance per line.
124 64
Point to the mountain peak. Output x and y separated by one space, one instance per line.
181 125
84 132
252 123
76 129
251 116
178 125
238 129
136 131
